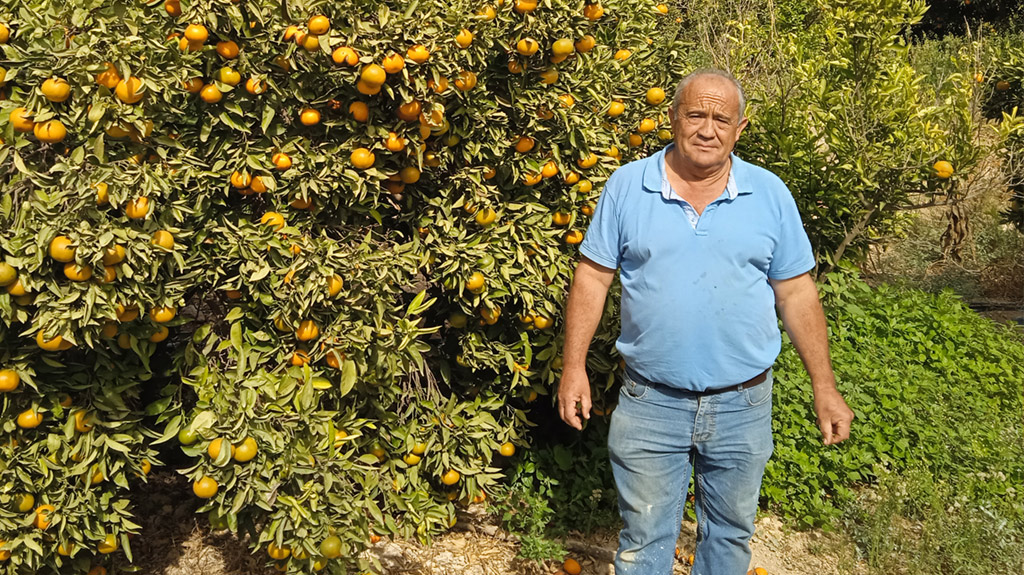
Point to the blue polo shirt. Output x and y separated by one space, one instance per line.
697 309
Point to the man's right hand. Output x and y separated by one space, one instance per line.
572 390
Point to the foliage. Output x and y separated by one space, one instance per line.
933 385
524 507
319 312
915 522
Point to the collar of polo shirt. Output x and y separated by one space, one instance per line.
656 179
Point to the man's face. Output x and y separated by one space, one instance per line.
707 122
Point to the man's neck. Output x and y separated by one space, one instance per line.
693 176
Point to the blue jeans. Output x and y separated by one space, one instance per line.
658 436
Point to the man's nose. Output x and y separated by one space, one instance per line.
706 129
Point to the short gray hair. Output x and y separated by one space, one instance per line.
681 87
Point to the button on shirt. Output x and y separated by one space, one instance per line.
697 310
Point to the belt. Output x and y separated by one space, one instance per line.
756 380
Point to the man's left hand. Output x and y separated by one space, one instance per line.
834 416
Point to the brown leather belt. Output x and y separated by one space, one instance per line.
756 380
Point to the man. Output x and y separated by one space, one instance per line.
708 247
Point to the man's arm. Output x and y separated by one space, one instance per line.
583 313
804 320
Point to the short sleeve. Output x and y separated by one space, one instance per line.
793 255
601 242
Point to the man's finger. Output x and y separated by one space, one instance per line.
826 431
585 406
842 430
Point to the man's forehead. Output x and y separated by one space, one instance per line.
709 88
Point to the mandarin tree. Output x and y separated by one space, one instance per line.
279 206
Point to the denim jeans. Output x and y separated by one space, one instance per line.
658 436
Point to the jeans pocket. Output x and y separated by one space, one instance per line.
633 388
759 393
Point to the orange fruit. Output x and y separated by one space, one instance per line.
485 217
585 44
126 314
541 322
82 424
21 120
309 117
278 553
108 545
246 450
440 86
525 6
490 314
622 54
524 144
550 169
1002 85
362 158
255 86
571 566
411 459
128 91
646 125
531 179
227 49
163 239
943 169
616 108
507 449
573 237
97 570
335 358
55 344
394 142
527 46
42 520
587 161
163 314
193 86
281 161
560 219
487 13
9 380
566 100
210 94
229 76
451 477
418 53
592 12
138 208
663 8
205 488
307 331
29 419
318 25
655 96
50 132
61 249
240 179
345 55
56 89
393 63
635 140
585 186
408 111
213 450
273 219
259 184
476 282
102 195
587 209
373 75
489 172
196 33
160 334
77 273
359 110
109 77
464 38
467 80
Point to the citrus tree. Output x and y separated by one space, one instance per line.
321 248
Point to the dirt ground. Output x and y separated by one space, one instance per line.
176 541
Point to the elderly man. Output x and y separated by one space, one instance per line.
708 247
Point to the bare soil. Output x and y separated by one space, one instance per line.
177 541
